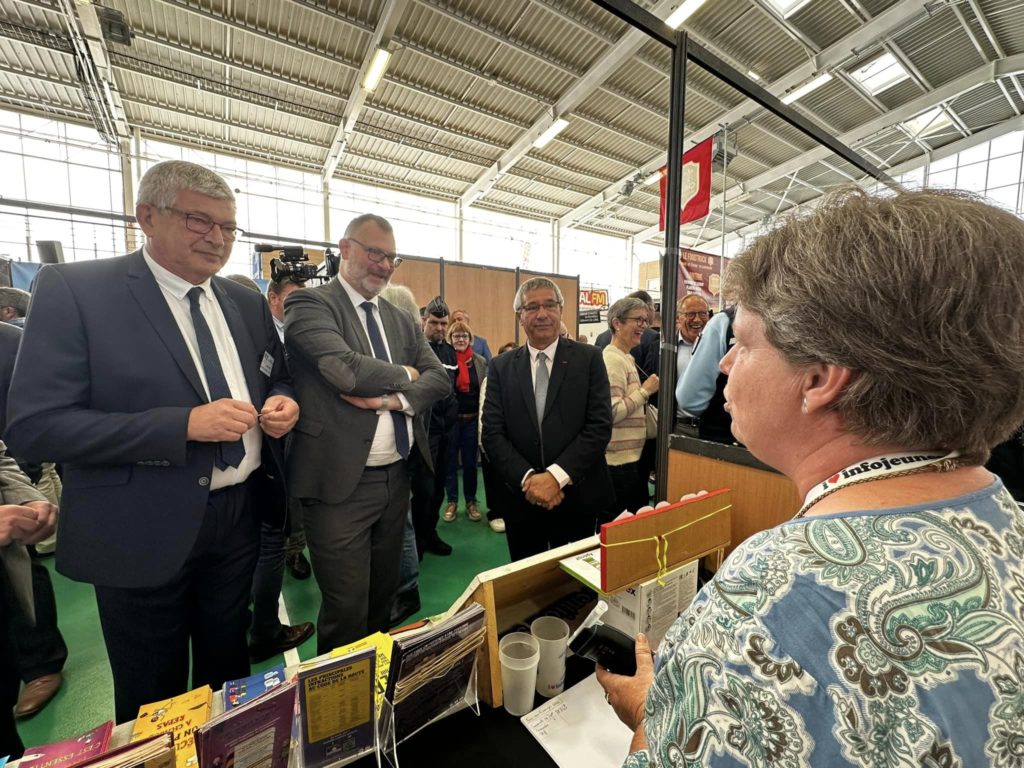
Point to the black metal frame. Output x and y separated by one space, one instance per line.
684 49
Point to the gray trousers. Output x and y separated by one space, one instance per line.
355 548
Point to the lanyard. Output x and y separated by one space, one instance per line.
876 468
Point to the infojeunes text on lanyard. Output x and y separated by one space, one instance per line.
876 468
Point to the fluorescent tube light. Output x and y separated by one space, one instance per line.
654 178
683 12
378 66
553 130
803 90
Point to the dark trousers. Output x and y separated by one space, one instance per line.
148 632
428 488
39 648
531 529
266 585
355 548
494 490
10 741
463 444
630 487
296 541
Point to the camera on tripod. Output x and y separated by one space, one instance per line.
294 264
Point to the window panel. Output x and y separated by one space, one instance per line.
972 177
942 179
1007 145
974 155
1004 171
1007 197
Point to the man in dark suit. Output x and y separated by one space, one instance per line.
38 648
163 391
367 378
552 459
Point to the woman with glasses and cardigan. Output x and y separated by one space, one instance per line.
627 320
471 369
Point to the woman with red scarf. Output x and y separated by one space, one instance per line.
469 372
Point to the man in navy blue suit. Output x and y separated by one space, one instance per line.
163 391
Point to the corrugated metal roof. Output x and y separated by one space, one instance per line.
270 79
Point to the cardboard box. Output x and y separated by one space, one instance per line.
651 608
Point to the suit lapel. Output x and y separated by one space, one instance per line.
142 285
356 336
247 352
559 367
524 376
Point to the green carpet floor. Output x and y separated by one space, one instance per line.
86 698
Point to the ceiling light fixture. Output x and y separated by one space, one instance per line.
654 178
683 12
553 130
375 72
803 90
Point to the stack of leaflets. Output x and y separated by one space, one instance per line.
433 670
70 752
256 734
238 692
180 716
336 708
154 752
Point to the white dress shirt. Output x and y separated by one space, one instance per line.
559 474
175 291
382 450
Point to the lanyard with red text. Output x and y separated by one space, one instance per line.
874 469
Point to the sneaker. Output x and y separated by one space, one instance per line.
449 512
497 525
472 512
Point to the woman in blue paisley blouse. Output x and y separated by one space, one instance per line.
879 356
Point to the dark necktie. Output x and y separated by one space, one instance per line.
228 454
381 353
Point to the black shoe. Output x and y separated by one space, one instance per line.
437 546
298 565
286 639
403 609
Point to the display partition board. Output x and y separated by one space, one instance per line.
570 288
421 276
487 294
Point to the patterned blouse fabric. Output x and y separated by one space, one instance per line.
883 638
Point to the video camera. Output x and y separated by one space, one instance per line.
294 264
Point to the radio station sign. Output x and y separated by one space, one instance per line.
593 297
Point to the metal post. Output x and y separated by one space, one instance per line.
725 189
670 264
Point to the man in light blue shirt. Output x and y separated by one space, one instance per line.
699 392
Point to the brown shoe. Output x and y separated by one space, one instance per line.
37 693
449 512
472 512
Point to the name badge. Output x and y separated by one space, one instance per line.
267 365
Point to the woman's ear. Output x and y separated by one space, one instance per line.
822 386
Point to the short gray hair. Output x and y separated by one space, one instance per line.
358 221
403 298
161 184
16 299
532 285
623 307
920 294
248 282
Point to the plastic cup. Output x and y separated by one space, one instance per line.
552 636
519 653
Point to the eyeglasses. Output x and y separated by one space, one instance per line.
703 315
202 225
461 337
641 321
547 306
377 255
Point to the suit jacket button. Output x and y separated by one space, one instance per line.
204 481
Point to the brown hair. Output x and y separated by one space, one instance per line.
920 294
459 327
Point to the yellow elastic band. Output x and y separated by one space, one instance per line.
661 542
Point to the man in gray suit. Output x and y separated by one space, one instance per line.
366 378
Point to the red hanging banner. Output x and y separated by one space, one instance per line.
696 197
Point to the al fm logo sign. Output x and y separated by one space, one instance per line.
593 297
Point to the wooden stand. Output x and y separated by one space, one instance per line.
761 497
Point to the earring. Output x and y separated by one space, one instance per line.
804 405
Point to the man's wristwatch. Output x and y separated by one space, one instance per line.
385 401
